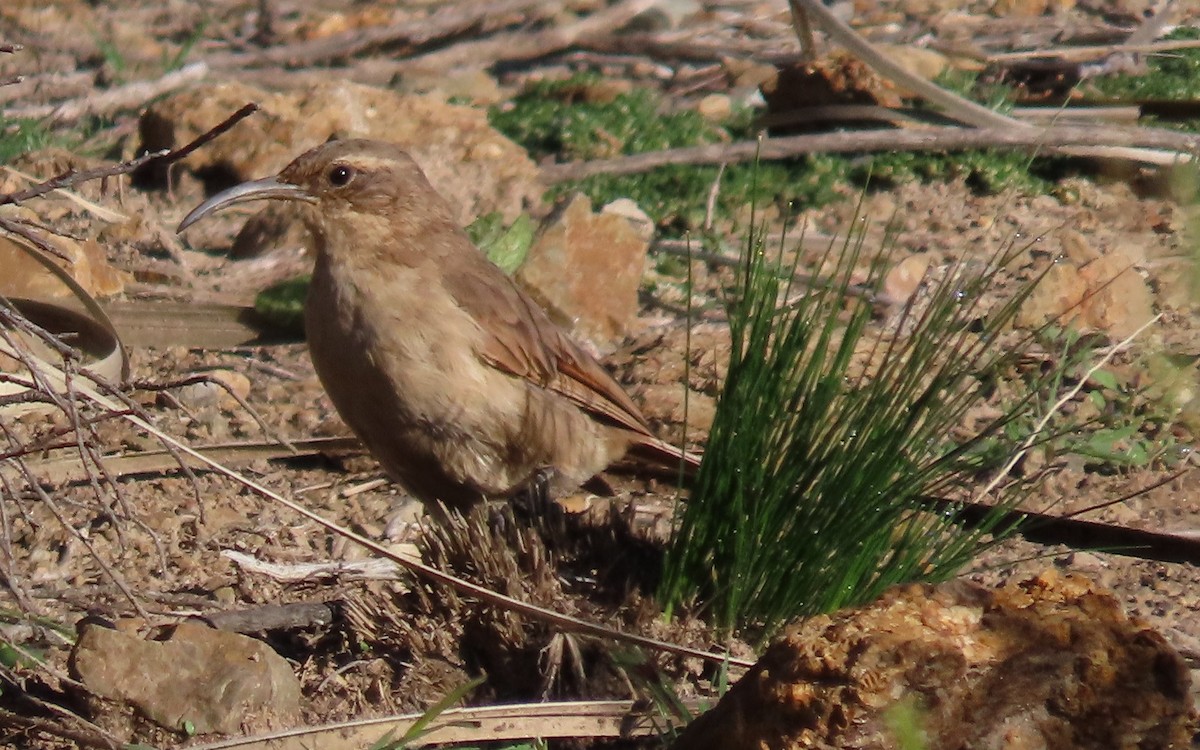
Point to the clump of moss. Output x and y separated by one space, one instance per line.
582 118
1173 75
281 305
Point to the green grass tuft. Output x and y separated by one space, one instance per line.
19 137
829 439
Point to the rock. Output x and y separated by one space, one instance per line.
1107 294
633 213
903 278
473 84
715 107
920 61
216 391
209 680
833 79
1078 247
25 277
1050 663
465 158
1119 299
1059 291
585 268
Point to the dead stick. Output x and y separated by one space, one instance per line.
448 21
73 177
528 45
1087 53
929 139
113 100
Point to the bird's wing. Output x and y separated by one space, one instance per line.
522 340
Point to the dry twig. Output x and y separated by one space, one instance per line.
528 45
447 21
73 177
1171 143
113 100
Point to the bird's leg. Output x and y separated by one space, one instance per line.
536 504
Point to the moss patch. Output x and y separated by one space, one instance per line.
584 118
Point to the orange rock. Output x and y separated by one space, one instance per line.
1051 662
585 269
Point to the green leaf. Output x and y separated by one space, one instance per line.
504 246
1105 379
282 304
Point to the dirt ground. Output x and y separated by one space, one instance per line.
168 538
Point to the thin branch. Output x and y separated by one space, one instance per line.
448 21
73 177
1071 393
1171 142
924 139
27 232
113 100
528 45
1088 53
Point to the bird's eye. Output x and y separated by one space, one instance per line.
340 175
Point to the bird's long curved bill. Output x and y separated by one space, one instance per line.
266 188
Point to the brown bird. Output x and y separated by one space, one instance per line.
453 377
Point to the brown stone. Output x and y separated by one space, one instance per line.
585 269
903 278
1119 300
460 152
207 680
1050 663
25 277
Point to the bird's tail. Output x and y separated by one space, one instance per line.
661 455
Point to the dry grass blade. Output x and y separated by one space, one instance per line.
568 720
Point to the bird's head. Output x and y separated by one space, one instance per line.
350 188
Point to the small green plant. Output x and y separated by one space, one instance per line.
506 246
831 437
1170 76
114 57
424 725
282 305
904 719
21 136
1112 426
175 61
578 118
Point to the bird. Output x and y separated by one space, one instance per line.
454 378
